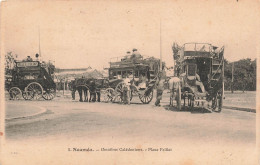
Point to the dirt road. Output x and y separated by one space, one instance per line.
196 137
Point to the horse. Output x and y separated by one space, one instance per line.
174 86
81 85
91 86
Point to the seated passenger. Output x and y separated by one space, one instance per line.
119 77
200 84
142 82
131 76
126 57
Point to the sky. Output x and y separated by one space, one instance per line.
78 34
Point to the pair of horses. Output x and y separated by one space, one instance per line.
85 86
93 87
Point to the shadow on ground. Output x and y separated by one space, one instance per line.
186 109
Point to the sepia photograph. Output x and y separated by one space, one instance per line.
129 82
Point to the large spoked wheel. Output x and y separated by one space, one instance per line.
133 91
49 94
147 96
27 95
119 92
15 93
108 95
178 97
217 102
35 89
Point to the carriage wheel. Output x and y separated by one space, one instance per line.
119 87
217 102
15 93
119 92
27 95
178 97
108 95
49 94
147 96
36 89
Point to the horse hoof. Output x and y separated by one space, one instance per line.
81 100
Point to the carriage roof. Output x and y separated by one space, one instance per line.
198 50
127 63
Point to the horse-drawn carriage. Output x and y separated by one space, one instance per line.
141 71
32 80
200 69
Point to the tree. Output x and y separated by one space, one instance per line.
244 75
9 62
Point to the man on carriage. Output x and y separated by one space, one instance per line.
28 59
142 82
127 56
135 55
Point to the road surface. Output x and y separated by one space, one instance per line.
191 137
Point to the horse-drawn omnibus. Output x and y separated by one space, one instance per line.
200 68
32 80
142 73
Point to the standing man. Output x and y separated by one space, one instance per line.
73 88
126 90
160 86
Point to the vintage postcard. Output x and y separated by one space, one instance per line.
129 82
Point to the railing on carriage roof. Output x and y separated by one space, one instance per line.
121 58
198 50
124 61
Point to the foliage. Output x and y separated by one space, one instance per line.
9 62
244 75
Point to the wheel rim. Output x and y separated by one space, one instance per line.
119 87
118 98
27 95
49 94
146 97
108 95
36 89
119 92
15 93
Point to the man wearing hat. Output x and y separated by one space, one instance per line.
135 55
29 58
127 56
